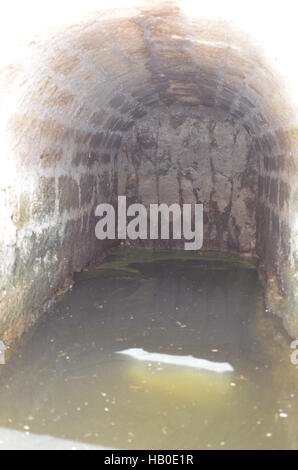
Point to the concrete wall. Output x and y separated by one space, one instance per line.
49 228
77 89
195 156
276 226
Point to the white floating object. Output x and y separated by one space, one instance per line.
186 361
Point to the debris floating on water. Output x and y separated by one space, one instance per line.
186 361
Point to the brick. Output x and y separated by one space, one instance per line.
68 194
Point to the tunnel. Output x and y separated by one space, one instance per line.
157 102
156 105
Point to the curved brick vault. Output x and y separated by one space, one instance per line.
155 104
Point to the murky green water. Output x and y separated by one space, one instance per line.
67 381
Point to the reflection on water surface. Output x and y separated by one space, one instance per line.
67 381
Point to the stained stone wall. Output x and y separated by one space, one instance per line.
155 101
50 229
195 157
277 233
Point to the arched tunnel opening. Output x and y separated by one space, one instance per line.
161 107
